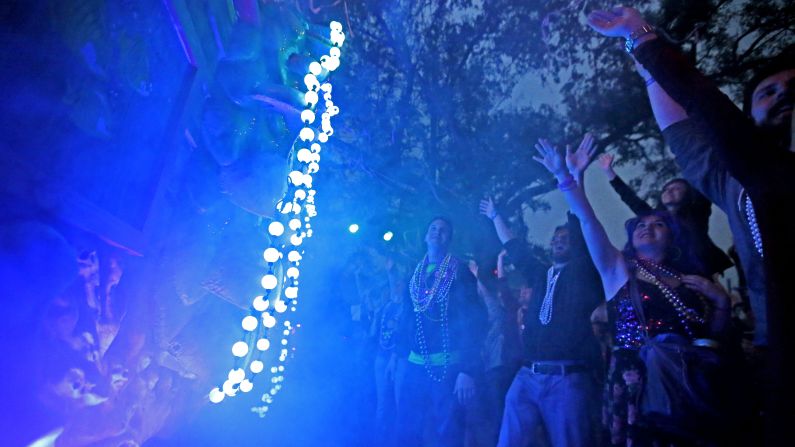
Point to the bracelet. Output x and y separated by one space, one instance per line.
629 44
567 184
650 81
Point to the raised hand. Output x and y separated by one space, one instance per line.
487 208
579 160
551 158
605 163
618 22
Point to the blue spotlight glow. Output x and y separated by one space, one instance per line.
388 236
353 228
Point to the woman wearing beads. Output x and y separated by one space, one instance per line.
675 304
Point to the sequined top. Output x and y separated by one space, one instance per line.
660 315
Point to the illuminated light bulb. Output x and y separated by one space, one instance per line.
310 97
312 192
294 256
260 303
256 366
268 321
271 254
311 82
286 332
249 323
287 323
315 68
296 240
312 168
229 388
246 386
236 375
292 309
263 344
322 137
296 177
304 156
292 272
276 229
281 368
280 306
307 180
335 25
294 224
216 395
326 87
273 370
333 110
388 236
338 39
308 116
334 52
300 194
284 342
315 147
296 208
286 208
269 282
291 292
353 228
240 349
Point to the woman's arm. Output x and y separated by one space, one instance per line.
608 259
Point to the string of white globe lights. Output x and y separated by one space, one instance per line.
287 233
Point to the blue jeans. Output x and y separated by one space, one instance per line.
428 413
562 403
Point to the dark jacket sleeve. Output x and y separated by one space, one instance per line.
474 322
629 197
745 150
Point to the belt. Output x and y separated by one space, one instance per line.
556 368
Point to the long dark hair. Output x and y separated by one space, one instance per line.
678 253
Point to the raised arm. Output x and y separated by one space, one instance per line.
488 209
608 259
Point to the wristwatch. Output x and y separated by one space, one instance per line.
633 37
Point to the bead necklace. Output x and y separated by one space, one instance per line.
545 314
685 313
750 217
422 297
388 322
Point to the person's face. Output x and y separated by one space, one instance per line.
673 194
560 245
438 235
651 232
771 102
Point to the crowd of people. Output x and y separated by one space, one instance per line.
599 345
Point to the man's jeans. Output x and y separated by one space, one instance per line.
563 403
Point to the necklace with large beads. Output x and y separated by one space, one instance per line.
686 314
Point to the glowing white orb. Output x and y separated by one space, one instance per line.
292 272
280 306
216 395
276 229
240 349
300 194
263 344
313 168
286 332
353 228
315 68
256 366
308 116
271 254
260 303
296 177
315 147
268 321
249 323
322 137
326 87
236 375
284 342
246 386
294 224
334 52
388 236
311 82
291 292
304 155
229 388
286 208
335 25
310 98
269 282
296 240
293 256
